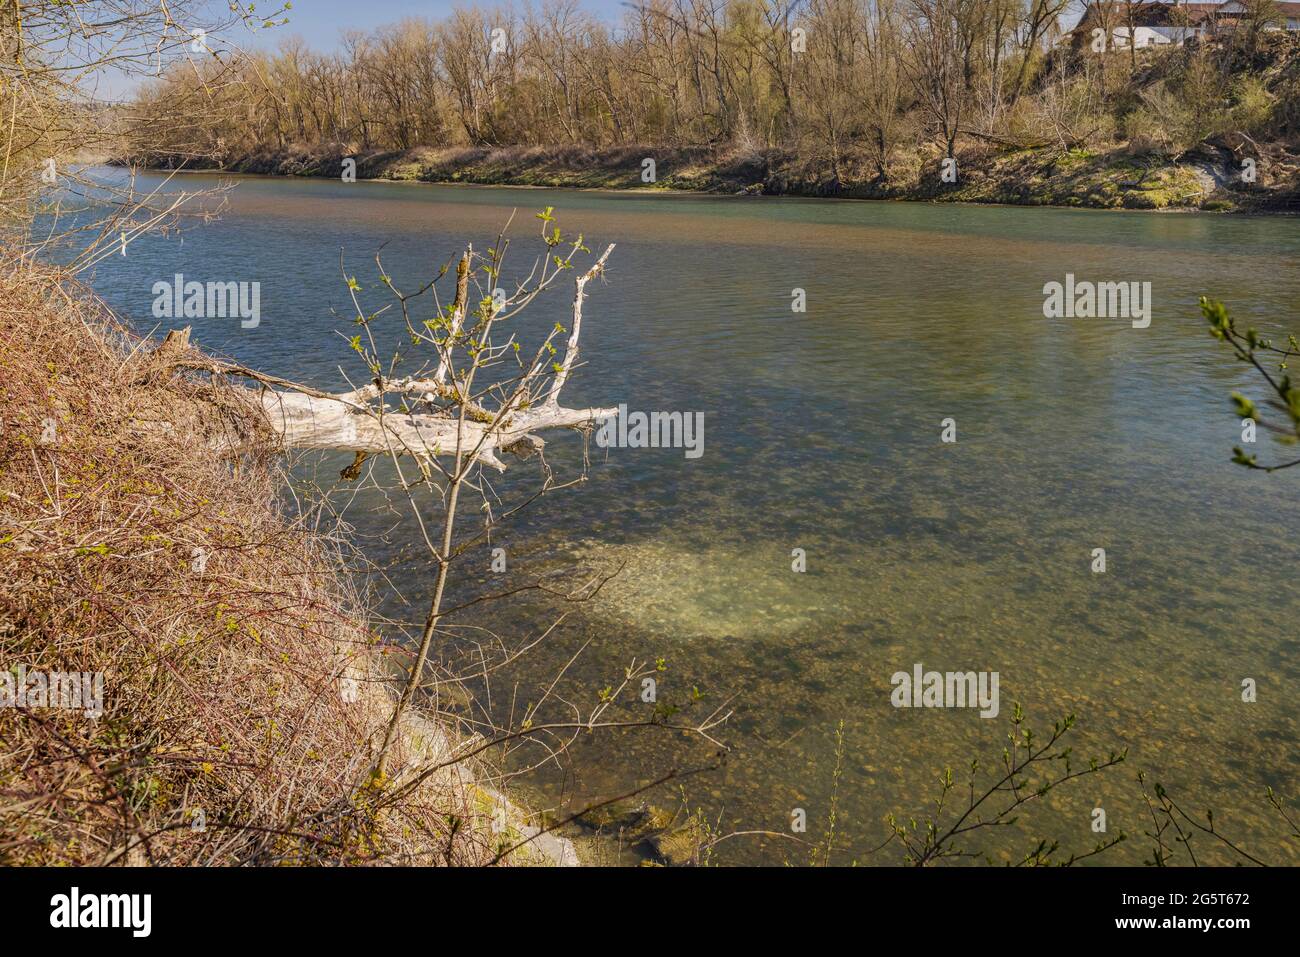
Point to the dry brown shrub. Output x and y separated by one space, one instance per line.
223 687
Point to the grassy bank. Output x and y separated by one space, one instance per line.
1207 178
243 689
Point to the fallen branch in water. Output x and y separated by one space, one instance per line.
453 423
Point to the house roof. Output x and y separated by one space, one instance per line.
1286 8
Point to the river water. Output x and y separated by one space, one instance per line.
822 432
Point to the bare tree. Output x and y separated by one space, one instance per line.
939 68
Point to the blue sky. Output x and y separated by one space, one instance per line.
320 22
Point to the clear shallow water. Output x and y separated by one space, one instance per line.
822 433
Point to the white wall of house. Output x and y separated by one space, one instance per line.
1142 37
1174 34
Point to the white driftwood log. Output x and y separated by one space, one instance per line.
307 418
337 423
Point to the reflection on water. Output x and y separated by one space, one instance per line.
822 433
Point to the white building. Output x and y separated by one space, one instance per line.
1172 22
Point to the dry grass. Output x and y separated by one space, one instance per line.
226 737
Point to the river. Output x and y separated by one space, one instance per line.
822 432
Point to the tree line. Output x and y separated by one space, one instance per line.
826 78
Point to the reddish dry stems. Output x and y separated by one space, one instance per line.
223 687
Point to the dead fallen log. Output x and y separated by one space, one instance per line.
424 417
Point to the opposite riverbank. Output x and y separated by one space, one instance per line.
1211 177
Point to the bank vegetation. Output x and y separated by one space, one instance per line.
816 97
